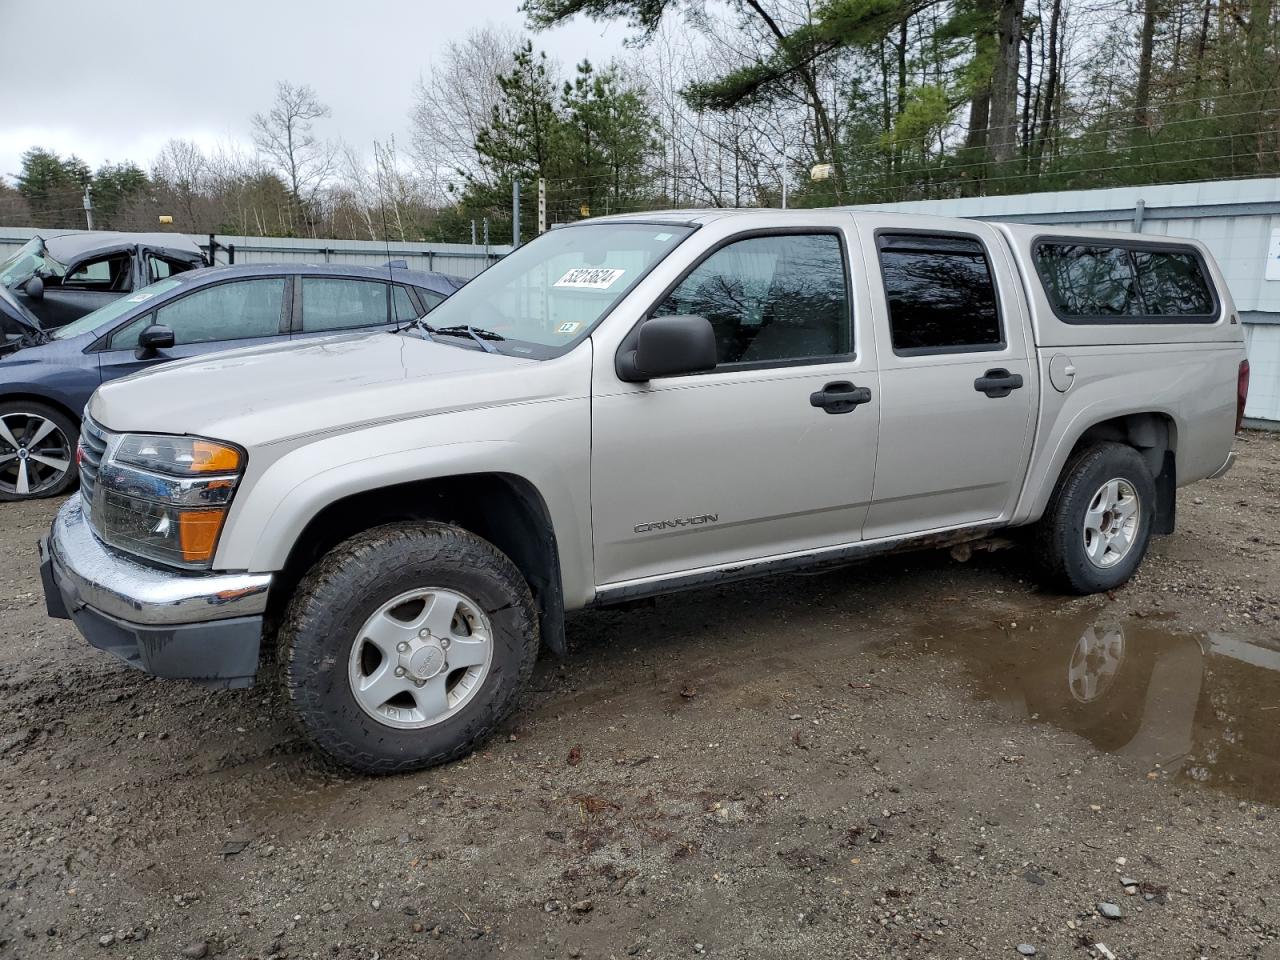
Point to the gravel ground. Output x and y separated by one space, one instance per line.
884 761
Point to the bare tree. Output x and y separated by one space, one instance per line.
285 136
454 101
180 167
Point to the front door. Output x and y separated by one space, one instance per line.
957 388
86 286
760 457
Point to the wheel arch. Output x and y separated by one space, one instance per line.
19 394
1152 433
505 509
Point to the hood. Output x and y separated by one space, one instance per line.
20 352
269 394
13 314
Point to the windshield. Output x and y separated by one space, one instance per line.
29 259
114 309
548 294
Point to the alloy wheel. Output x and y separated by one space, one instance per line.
420 658
35 454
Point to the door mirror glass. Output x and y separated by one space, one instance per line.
153 338
668 346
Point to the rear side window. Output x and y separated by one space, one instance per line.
1096 283
940 293
336 304
403 305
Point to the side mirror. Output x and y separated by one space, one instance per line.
34 287
666 346
152 339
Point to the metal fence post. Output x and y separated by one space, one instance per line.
515 213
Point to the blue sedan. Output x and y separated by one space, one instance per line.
46 378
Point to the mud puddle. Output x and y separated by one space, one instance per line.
1201 709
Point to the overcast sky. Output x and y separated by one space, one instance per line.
114 81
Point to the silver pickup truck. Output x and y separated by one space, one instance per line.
626 407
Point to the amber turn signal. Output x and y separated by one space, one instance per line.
198 533
209 457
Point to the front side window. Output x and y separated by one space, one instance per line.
330 303
239 310
1097 283
771 298
940 294
109 275
544 297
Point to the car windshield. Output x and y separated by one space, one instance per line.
547 295
114 309
30 258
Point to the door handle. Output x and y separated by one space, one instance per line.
998 382
840 396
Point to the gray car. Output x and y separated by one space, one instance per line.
46 379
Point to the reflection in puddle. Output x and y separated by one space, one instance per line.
1203 707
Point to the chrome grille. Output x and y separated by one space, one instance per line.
93 447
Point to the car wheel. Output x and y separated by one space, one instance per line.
1097 526
37 451
407 645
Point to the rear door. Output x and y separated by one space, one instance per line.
222 316
957 384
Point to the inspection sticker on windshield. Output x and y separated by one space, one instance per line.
569 326
590 278
139 297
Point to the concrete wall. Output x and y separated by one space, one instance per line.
459 259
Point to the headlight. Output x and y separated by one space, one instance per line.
165 498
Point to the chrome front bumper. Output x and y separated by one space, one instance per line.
129 590
200 626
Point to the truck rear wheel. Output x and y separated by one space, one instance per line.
1097 526
407 645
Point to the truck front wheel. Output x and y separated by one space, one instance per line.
406 645
1097 525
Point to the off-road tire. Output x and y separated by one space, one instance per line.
69 428
342 590
1059 536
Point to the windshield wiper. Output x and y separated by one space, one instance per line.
420 324
478 334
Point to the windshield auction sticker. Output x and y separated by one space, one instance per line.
590 278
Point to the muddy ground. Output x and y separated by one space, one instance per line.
912 758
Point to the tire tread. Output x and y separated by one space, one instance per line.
329 586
